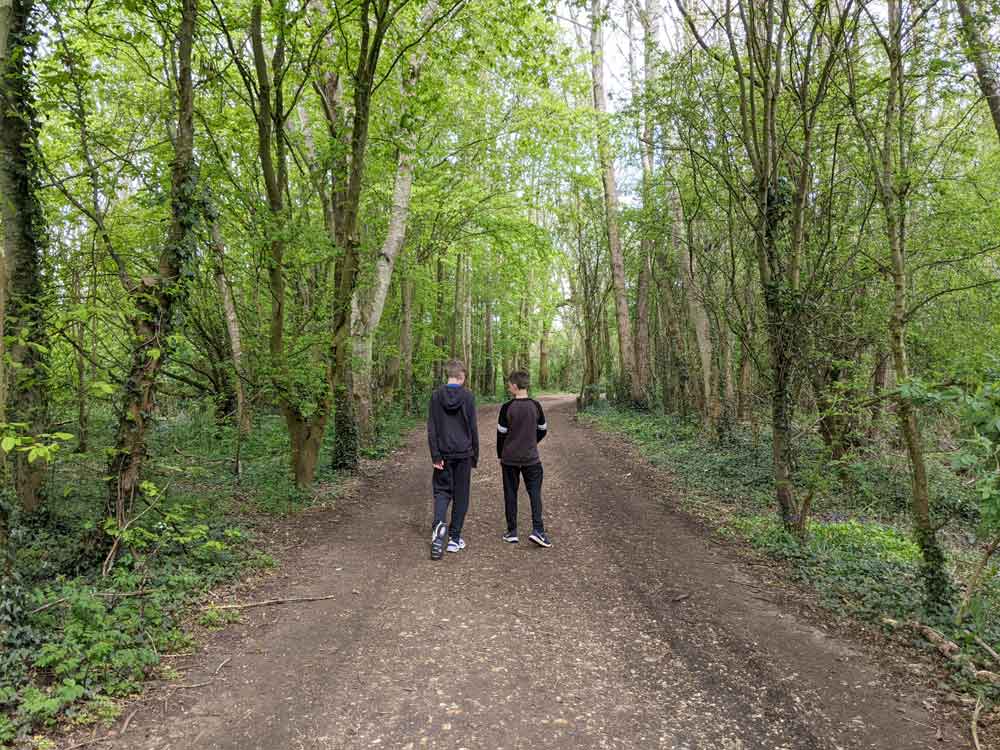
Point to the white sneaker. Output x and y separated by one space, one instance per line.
455 546
437 541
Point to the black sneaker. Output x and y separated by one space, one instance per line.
511 537
437 541
540 538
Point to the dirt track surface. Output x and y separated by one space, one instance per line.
635 630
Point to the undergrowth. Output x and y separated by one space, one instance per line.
858 555
72 641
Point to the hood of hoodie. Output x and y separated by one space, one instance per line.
452 397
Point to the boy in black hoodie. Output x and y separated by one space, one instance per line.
453 438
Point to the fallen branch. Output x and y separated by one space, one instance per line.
128 721
975 723
986 647
219 668
946 647
269 602
88 742
196 685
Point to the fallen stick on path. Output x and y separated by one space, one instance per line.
975 723
269 602
88 742
219 668
127 722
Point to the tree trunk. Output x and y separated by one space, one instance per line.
155 297
697 312
978 52
80 334
523 359
891 164
369 300
406 343
647 16
543 357
439 341
626 352
243 416
489 366
23 235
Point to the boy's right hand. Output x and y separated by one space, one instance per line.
439 466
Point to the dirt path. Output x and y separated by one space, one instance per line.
634 631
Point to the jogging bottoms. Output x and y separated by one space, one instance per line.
533 483
451 487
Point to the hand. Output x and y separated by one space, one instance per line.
439 466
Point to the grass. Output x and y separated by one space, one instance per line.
74 642
858 555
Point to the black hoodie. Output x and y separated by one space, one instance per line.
451 424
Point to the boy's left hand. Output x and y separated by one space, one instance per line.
439 466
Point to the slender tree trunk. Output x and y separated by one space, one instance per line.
697 312
626 351
23 236
893 189
80 363
523 360
406 343
243 416
467 320
543 357
155 297
305 434
978 52
369 300
489 366
439 322
648 16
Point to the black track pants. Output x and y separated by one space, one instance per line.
451 487
533 483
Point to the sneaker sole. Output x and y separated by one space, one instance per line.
515 540
539 542
436 552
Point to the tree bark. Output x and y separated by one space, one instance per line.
155 297
406 343
626 351
543 357
243 416
23 237
305 434
489 366
648 16
978 53
696 311
369 301
79 327
467 320
889 160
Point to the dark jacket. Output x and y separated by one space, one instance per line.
520 428
451 424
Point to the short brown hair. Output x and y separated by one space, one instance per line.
520 379
455 368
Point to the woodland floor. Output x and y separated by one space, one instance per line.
637 629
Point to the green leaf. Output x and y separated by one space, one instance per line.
8 444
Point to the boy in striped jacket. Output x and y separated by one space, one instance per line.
520 428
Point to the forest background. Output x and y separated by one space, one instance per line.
240 239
